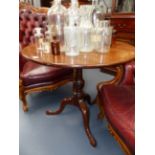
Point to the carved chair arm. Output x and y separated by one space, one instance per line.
117 78
128 77
124 75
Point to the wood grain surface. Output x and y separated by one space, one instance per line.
120 52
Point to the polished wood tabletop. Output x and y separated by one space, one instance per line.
120 52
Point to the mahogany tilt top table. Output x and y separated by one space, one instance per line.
119 53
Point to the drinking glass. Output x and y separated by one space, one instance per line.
105 42
96 37
72 40
86 43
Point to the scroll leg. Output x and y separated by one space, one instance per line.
101 109
64 102
25 106
85 113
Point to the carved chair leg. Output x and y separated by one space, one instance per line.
119 140
101 113
20 93
22 97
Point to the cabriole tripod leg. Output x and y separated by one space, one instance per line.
85 113
64 102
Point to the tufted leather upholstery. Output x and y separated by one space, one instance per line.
28 20
118 102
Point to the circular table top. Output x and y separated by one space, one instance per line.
120 52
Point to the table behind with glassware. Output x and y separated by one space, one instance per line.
79 38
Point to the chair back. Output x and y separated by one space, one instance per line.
29 18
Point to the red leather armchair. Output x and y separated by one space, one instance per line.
117 103
35 77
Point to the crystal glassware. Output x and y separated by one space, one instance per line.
99 10
96 37
56 19
73 14
72 30
105 42
86 28
72 40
